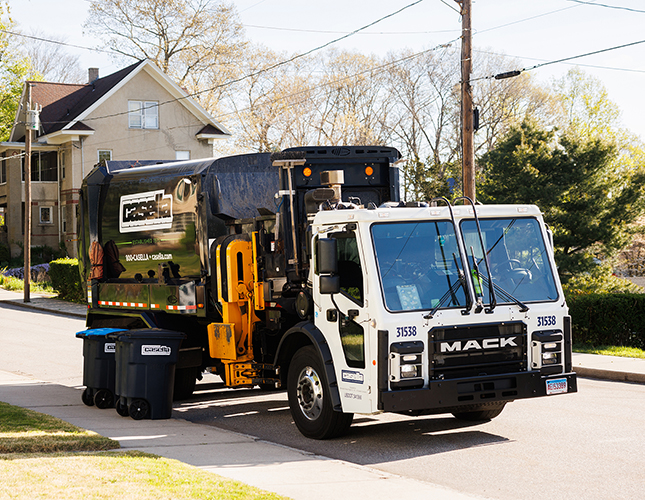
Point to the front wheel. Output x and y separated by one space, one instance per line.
310 400
481 413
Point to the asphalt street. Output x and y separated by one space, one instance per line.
587 445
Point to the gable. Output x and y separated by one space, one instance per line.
65 106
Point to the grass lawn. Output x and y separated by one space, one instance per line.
44 457
608 350
18 285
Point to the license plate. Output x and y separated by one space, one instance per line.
556 386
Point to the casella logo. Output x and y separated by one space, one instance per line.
352 377
474 345
155 350
110 347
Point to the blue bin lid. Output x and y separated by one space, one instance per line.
98 332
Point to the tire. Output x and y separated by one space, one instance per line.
122 407
484 414
88 397
309 398
104 399
139 409
185 381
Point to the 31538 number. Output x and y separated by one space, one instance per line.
406 331
546 321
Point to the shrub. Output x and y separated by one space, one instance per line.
5 254
608 319
66 279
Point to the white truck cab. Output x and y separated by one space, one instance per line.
425 313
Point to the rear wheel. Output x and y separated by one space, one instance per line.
309 398
88 397
122 407
139 409
481 413
104 399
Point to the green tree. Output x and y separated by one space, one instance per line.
587 196
14 69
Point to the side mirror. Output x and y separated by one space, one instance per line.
327 263
329 285
327 256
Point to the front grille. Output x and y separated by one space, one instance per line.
477 350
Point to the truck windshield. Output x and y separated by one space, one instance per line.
419 265
518 260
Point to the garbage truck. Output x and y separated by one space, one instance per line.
304 270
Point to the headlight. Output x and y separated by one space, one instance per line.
410 371
550 358
547 351
406 364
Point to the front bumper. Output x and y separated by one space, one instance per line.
453 393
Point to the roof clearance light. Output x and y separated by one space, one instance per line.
522 210
307 172
369 171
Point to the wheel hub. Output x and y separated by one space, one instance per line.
310 394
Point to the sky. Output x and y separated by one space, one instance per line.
534 32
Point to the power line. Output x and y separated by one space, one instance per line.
630 70
517 72
618 7
58 42
332 32
269 68
479 32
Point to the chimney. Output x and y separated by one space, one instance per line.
93 74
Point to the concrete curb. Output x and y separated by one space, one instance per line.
36 307
615 376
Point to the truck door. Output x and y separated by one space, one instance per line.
344 321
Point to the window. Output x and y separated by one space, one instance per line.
352 336
518 259
46 215
104 154
62 164
44 166
419 265
143 114
182 155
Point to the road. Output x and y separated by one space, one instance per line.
587 445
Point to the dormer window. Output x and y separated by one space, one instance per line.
143 114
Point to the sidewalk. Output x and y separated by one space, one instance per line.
287 471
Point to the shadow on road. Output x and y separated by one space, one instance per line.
371 439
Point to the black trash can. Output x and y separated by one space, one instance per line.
145 371
99 366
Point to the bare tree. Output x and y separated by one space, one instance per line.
51 61
197 42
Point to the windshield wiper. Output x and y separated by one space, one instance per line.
461 282
523 307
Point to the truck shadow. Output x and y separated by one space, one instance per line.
371 439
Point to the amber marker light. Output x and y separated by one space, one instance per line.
369 171
307 172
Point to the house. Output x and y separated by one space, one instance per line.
137 113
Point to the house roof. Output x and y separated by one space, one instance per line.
64 106
58 114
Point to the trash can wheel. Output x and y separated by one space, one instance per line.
139 409
88 397
104 399
122 407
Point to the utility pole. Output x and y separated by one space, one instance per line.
467 130
31 122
